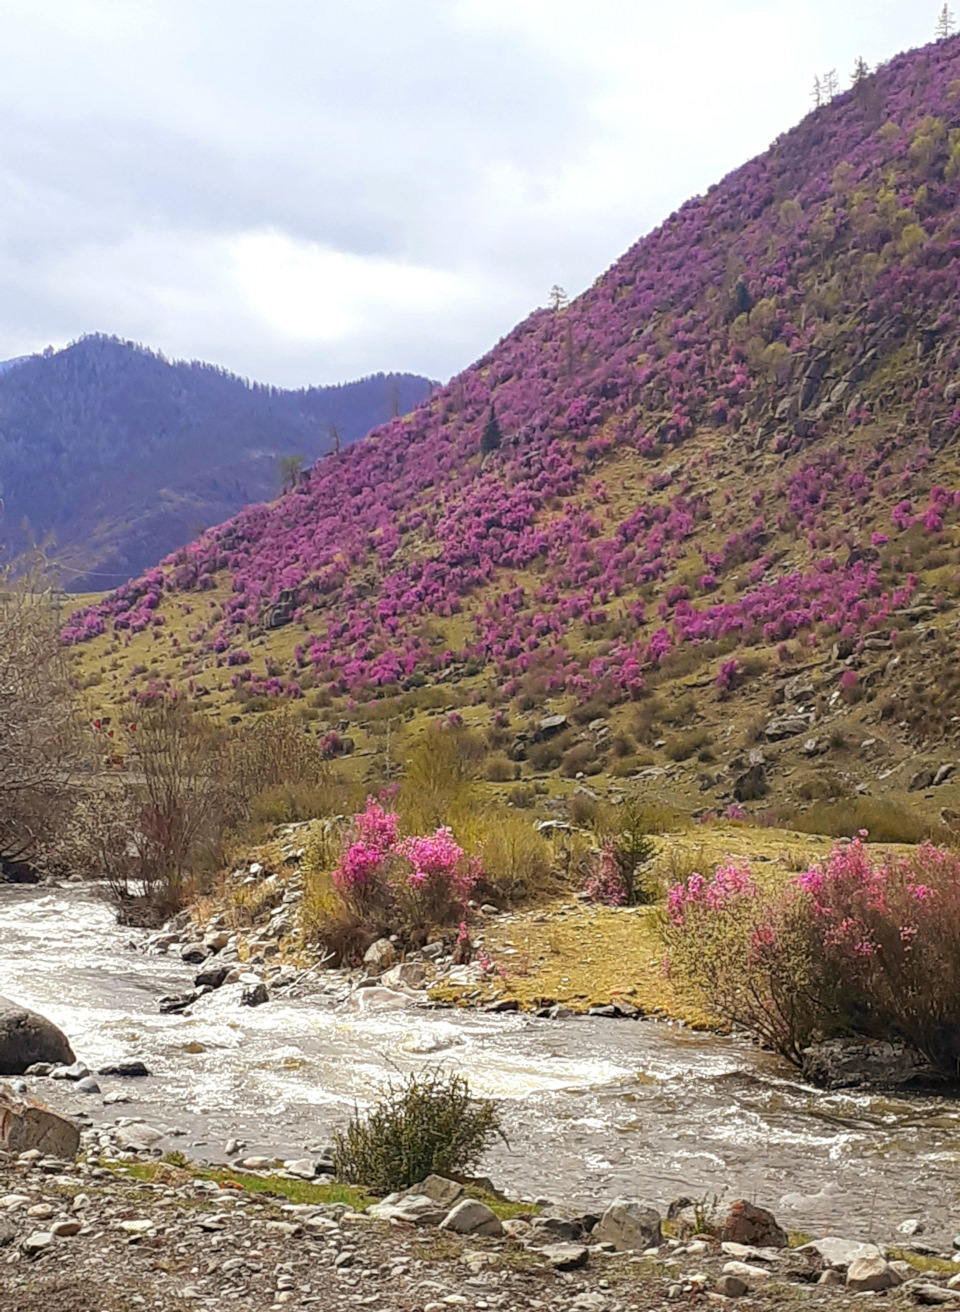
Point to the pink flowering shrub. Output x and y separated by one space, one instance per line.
743 952
604 882
403 885
860 944
887 933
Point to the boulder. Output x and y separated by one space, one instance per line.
379 955
27 1038
840 1252
407 975
752 785
870 1275
746 1224
26 1124
414 1209
255 995
566 1257
849 1063
786 726
445 1193
730 1286
752 1276
130 1069
213 973
471 1217
630 1225
75 1071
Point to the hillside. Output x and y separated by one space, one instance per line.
719 532
121 456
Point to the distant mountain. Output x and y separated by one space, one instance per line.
120 455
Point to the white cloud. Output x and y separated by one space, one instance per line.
306 291
306 191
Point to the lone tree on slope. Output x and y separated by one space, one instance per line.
492 437
946 23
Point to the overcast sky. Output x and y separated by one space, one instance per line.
309 190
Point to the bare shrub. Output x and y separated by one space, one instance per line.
38 734
517 860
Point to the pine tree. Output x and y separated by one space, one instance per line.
490 441
817 93
861 70
558 298
831 84
946 23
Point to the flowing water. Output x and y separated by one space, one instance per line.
592 1108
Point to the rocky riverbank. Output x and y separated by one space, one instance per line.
76 1237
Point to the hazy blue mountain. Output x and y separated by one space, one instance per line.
119 455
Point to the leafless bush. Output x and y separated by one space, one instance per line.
38 739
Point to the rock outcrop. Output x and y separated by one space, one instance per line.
27 1037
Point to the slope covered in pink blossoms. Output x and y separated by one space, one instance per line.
743 434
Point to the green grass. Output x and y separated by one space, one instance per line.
294 1191
928 1265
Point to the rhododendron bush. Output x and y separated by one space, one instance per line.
408 884
861 944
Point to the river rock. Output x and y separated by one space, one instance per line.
445 1193
630 1225
27 1038
213 974
255 995
752 1276
380 955
8 1232
36 1243
27 1125
471 1217
125 1069
406 974
925 1291
870 1275
849 1063
75 1071
746 1224
414 1209
840 1252
566 1257
730 1286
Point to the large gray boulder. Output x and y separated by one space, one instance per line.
26 1037
26 1124
629 1225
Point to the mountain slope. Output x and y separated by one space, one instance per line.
727 473
122 455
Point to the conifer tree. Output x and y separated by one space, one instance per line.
490 441
861 70
946 23
817 93
831 84
558 298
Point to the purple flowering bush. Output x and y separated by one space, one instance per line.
385 883
860 944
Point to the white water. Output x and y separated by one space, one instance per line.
592 1108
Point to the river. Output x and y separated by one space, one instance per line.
592 1108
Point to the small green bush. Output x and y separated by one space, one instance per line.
681 746
429 1124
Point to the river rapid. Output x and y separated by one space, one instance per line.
592 1108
